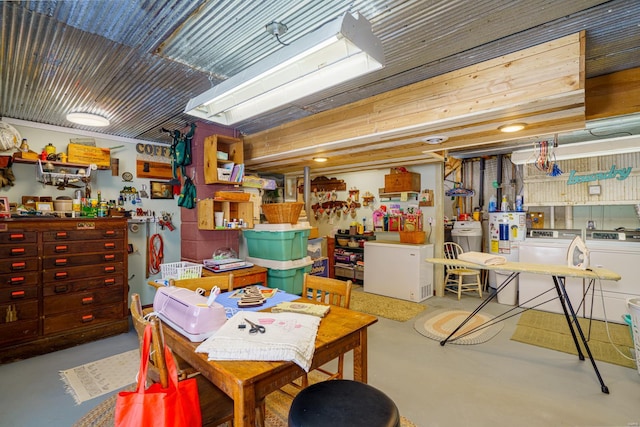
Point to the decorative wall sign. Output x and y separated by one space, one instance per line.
161 190
149 169
619 174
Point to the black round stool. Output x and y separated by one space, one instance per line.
343 403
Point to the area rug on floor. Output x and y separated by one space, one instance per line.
381 306
102 376
439 324
550 330
277 409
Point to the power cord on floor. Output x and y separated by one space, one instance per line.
606 322
156 253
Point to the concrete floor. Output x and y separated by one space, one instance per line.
497 383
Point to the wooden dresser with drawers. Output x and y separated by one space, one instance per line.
63 282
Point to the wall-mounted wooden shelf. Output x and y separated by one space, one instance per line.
231 148
56 164
411 195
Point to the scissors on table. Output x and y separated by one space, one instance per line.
255 328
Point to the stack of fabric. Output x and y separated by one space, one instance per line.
286 336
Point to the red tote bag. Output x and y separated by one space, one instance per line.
176 406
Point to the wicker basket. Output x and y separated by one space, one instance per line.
412 236
181 270
282 213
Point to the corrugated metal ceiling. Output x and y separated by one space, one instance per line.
138 62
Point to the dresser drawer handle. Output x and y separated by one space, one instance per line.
109 269
17 294
15 266
16 236
61 289
110 245
17 280
61 261
87 300
61 248
109 233
109 257
61 275
62 235
110 281
18 251
87 318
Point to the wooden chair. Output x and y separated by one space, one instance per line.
454 280
329 291
224 282
216 407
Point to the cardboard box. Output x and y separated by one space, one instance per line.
320 267
399 182
78 153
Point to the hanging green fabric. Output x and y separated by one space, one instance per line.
181 151
187 198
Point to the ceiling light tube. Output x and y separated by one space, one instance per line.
320 159
337 52
581 150
88 119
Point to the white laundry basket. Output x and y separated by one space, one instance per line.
634 309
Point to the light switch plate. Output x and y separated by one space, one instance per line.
594 190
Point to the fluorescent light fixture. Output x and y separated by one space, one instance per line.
320 159
580 150
512 127
339 51
88 119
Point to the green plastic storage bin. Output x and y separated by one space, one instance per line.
277 245
290 281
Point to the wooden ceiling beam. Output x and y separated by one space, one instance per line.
540 85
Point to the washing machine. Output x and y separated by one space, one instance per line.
468 234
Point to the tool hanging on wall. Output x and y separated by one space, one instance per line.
155 254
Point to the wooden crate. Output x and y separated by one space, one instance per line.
230 208
78 153
398 182
213 144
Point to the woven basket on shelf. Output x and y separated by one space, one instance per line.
282 213
412 236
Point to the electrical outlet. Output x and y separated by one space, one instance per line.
430 220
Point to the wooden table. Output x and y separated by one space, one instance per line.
249 382
243 276
558 273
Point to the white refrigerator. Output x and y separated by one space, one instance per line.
506 231
398 270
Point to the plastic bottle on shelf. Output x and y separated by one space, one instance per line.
493 204
504 206
519 206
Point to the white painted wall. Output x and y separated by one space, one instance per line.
39 136
372 181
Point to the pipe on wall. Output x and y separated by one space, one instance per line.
481 185
307 191
499 159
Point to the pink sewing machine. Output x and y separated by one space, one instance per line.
188 312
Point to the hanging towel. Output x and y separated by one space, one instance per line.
482 258
187 198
